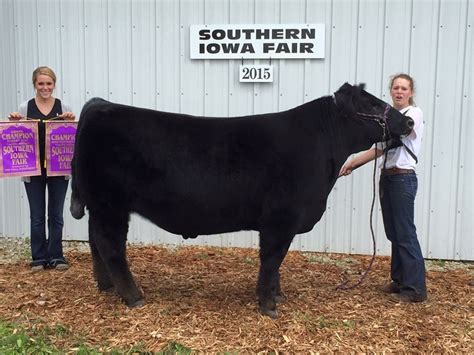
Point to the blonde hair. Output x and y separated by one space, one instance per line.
409 79
43 71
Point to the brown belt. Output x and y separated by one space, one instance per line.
396 171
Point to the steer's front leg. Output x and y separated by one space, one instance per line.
273 249
110 264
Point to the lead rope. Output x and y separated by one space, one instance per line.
344 284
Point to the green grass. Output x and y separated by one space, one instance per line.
250 260
328 260
439 262
202 256
15 339
176 348
313 323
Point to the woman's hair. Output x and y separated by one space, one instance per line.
43 71
409 79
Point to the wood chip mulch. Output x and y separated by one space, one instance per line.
204 299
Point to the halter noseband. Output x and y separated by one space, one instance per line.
380 119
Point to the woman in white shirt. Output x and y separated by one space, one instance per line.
397 190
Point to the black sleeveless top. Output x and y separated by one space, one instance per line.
33 112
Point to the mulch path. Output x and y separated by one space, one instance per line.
204 299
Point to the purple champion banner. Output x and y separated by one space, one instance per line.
60 138
19 149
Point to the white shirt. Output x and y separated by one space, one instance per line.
399 157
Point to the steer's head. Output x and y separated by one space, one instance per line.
378 119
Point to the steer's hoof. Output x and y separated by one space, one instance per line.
272 313
136 304
109 290
280 298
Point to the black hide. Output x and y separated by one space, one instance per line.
194 175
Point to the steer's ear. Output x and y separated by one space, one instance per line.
345 99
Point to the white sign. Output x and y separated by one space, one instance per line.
290 41
256 73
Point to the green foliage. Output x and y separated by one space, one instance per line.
202 256
61 330
85 350
327 259
15 340
175 348
439 262
313 323
250 260
137 349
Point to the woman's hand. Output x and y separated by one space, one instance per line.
15 116
359 159
346 168
69 116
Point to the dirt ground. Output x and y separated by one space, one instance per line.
204 299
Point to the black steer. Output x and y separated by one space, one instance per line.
193 176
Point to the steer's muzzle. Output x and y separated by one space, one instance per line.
409 125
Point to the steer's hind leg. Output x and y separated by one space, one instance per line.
108 245
101 275
273 249
278 293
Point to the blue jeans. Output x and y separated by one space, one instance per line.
45 249
397 199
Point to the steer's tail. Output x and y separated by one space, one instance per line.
77 205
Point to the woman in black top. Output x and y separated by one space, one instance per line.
45 252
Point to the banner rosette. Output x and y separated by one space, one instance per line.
19 148
60 138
